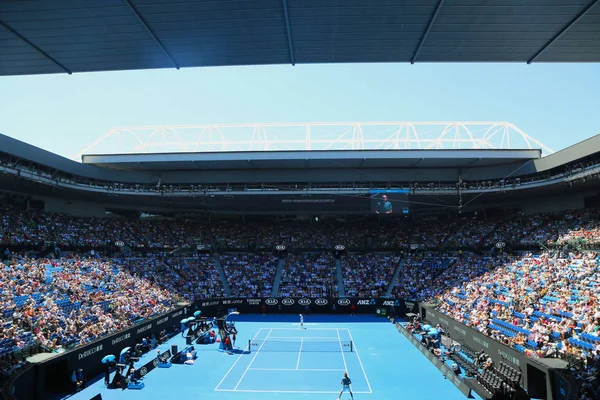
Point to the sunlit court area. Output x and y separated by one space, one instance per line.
300 199
275 358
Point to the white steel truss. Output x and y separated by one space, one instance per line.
314 136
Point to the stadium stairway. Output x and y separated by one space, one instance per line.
277 278
394 279
222 275
340 278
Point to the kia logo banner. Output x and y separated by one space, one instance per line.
340 247
271 302
321 302
304 302
500 245
119 243
344 302
287 302
280 247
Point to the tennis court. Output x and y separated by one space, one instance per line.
286 362
294 360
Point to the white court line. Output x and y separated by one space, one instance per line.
299 353
342 349
286 391
359 360
332 338
251 361
238 359
295 330
292 369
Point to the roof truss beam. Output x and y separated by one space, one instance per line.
424 37
33 45
563 30
288 29
151 32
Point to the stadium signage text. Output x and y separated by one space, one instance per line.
508 357
500 245
460 330
271 302
481 342
240 301
346 302
280 247
144 328
321 302
162 320
119 243
388 303
254 302
177 314
340 247
89 352
287 302
121 338
304 302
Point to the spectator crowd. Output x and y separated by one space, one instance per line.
541 303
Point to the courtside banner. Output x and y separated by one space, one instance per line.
499 352
219 307
443 367
88 357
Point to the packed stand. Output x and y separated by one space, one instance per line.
250 275
200 276
430 233
469 233
540 305
59 304
368 275
390 235
418 274
309 276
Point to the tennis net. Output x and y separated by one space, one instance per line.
296 346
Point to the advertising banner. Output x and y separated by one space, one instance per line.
535 373
89 357
272 305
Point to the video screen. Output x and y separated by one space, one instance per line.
388 202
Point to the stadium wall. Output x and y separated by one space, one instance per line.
72 207
296 305
54 376
538 378
554 203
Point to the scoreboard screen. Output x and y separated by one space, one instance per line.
387 202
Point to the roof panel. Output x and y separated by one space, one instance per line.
89 35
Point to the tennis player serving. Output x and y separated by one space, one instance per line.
346 382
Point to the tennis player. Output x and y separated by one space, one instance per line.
301 321
346 382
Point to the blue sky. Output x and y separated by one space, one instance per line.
558 104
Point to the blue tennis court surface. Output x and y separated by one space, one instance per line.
283 361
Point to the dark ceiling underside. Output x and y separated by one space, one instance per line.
49 36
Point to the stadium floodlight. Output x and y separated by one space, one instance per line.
314 136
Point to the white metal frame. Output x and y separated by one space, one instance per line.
314 136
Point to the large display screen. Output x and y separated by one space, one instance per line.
388 202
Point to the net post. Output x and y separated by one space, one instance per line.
249 343
351 346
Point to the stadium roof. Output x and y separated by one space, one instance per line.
43 36
338 159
